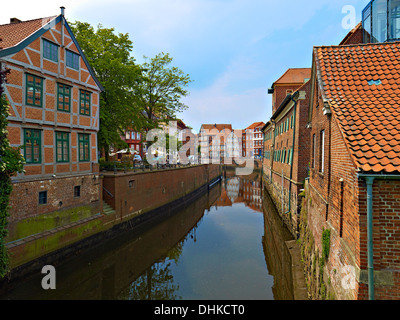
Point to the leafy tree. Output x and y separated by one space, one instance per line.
109 55
11 161
161 90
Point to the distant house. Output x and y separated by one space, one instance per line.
54 116
254 140
212 139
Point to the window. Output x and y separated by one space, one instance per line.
367 24
322 151
43 197
72 60
62 146
32 145
314 144
50 50
84 147
77 191
379 21
34 90
394 19
84 108
64 97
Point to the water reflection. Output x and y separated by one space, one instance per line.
224 245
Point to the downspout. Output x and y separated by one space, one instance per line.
370 238
294 142
273 148
369 178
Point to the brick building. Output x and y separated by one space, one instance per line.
354 184
286 144
212 140
54 115
134 141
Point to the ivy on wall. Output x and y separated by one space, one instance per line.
11 162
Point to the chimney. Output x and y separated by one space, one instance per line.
62 11
15 20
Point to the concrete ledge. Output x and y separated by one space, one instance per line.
299 283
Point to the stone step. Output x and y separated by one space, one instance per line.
107 210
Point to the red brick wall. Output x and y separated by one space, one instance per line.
144 191
386 219
24 199
280 93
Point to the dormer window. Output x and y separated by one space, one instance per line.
381 21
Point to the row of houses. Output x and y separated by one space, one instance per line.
332 150
220 141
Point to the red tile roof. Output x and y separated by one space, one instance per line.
13 33
294 76
256 125
219 127
362 85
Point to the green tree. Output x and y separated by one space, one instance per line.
11 162
109 55
161 90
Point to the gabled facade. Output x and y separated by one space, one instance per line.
54 116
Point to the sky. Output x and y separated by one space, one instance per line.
233 50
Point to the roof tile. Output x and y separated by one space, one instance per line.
368 112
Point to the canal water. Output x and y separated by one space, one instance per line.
229 244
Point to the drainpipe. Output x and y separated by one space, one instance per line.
369 178
294 140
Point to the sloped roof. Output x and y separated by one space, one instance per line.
362 85
219 127
256 125
357 28
14 33
16 36
294 76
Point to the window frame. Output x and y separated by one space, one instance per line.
62 140
35 88
70 60
32 151
83 138
322 151
64 87
51 56
87 102
45 197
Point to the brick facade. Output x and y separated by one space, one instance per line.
286 152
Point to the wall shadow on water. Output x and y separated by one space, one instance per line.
131 266
277 255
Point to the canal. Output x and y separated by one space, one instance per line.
229 244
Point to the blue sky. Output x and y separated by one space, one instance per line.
233 50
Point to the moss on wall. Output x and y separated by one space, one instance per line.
53 241
46 222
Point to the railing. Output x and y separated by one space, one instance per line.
128 166
108 192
